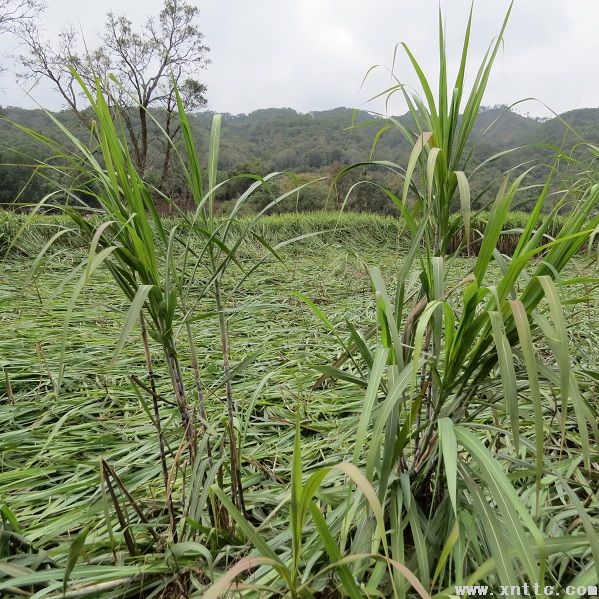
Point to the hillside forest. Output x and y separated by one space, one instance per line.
308 146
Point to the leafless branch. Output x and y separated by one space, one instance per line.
148 62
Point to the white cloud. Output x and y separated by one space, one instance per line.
313 54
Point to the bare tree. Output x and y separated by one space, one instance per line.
147 63
14 13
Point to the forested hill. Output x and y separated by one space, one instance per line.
322 141
284 138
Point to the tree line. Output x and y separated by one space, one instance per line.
309 146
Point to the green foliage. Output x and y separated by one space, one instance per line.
99 414
458 400
457 445
268 140
440 134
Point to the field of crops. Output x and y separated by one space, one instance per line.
57 447
51 446
306 406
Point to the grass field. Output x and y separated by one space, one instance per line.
52 447
205 407
58 442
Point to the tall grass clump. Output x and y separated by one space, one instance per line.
171 277
440 133
477 440
475 449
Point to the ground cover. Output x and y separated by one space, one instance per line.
53 447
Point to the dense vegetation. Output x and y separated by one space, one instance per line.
307 405
312 145
275 343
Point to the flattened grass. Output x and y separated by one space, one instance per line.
51 449
49 470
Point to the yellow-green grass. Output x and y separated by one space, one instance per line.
50 476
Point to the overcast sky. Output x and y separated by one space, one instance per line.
313 54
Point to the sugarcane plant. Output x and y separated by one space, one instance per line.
439 129
459 397
171 279
463 381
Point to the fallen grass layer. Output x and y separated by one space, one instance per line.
50 470
364 230
360 229
99 416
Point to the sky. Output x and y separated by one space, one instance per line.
315 54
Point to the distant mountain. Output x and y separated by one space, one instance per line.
320 141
